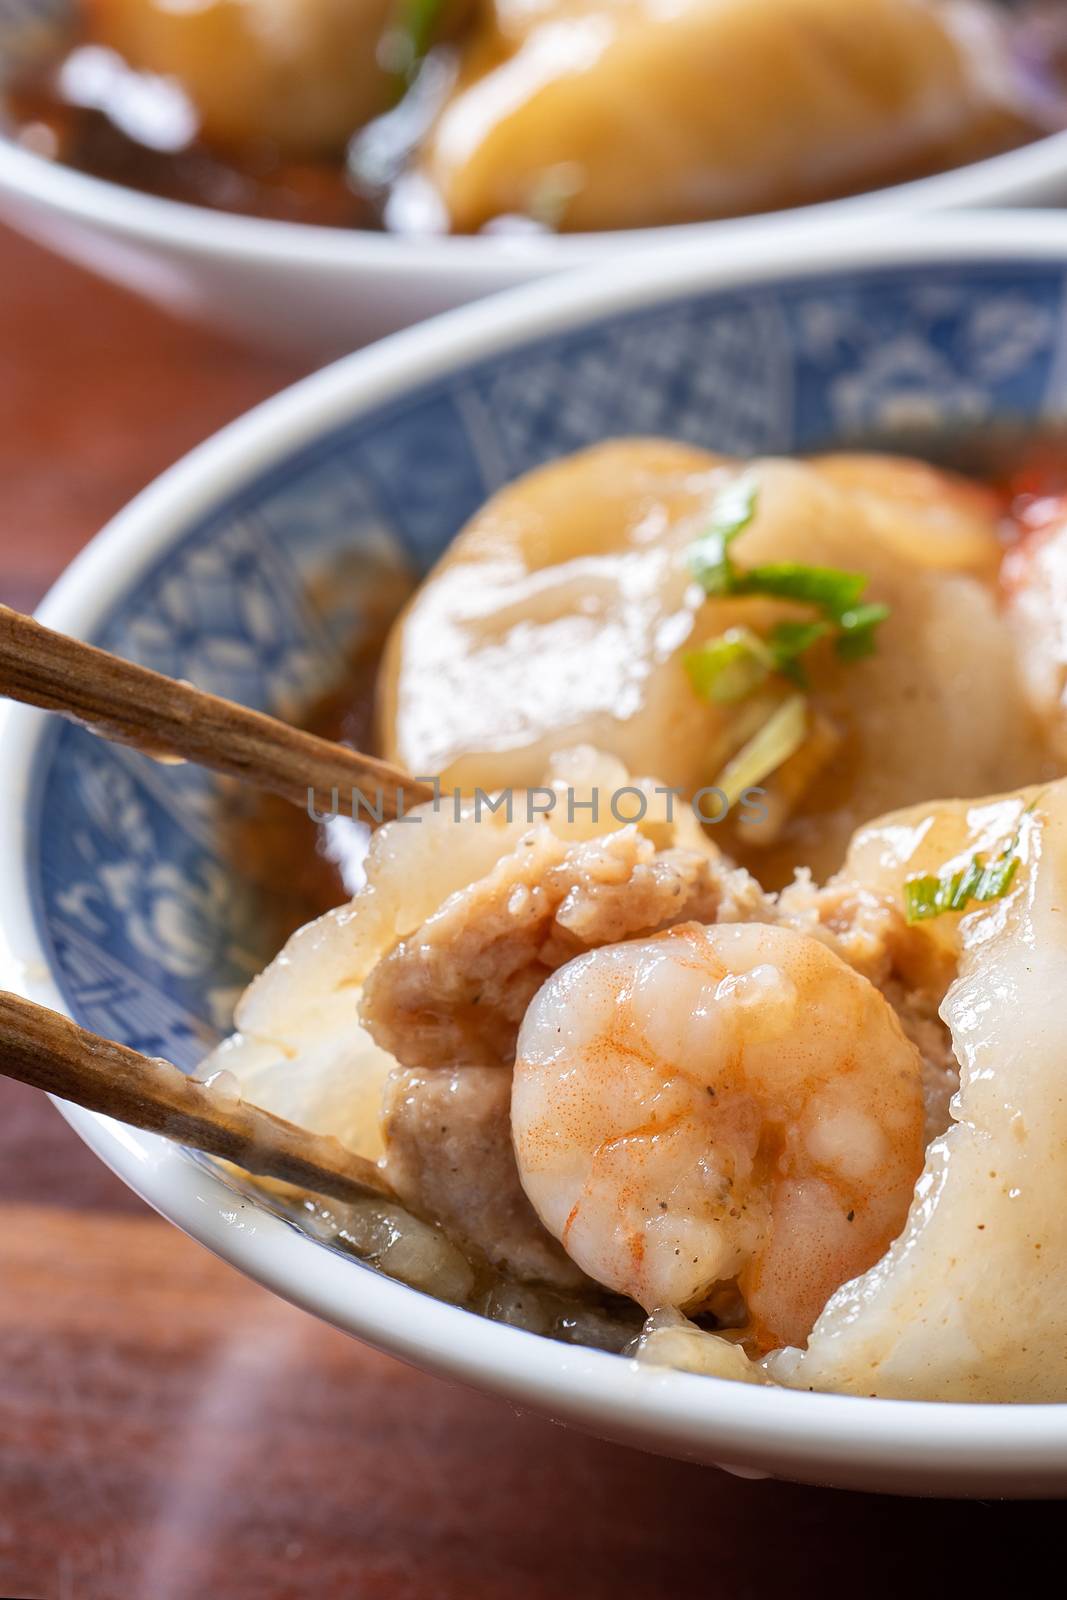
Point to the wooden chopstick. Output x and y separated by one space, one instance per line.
48 1051
173 721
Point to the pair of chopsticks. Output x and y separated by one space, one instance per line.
171 720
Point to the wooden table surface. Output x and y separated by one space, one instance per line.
169 1431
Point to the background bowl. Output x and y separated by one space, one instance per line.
118 905
319 292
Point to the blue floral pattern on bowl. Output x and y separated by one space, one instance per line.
148 932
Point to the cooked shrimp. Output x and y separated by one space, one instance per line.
300 1051
719 1111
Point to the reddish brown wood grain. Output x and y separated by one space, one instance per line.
169 1431
98 393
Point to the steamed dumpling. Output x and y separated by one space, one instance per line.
970 1303
295 75
1034 586
562 614
596 114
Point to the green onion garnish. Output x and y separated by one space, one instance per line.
857 636
407 41
735 665
832 590
788 641
731 667
978 883
780 737
738 662
929 897
709 558
728 671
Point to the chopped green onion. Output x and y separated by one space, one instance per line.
996 879
831 589
788 641
857 636
731 667
727 670
928 897
979 883
709 559
780 737
408 40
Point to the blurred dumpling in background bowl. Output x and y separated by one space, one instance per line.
295 75
396 123
628 113
573 115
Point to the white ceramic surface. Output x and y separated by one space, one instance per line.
317 292
849 1442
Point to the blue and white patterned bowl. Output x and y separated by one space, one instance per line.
118 908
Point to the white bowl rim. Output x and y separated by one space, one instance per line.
748 1426
995 181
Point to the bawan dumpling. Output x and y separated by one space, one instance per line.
565 610
593 114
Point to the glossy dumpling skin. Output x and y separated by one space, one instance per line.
970 1303
562 613
596 114
556 612
298 76
1034 587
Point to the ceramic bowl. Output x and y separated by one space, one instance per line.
118 907
316 292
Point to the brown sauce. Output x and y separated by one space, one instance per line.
285 862
260 185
